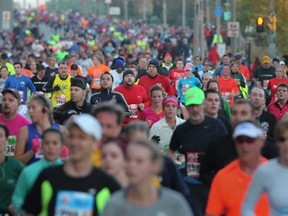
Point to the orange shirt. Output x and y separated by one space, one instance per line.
245 71
95 72
226 88
27 73
228 191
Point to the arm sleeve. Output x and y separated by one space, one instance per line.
215 204
7 84
32 203
31 86
175 142
123 102
20 192
179 88
255 190
227 109
146 100
242 81
198 83
48 87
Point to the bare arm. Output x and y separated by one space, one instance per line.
20 146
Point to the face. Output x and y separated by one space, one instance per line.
206 67
235 68
257 98
241 112
113 159
106 81
226 60
157 97
212 103
266 65
279 73
143 63
179 65
33 65
152 70
196 112
188 73
170 110
282 143
52 62
4 73
139 165
95 60
206 79
275 64
77 94
197 61
282 93
41 73
168 59
74 73
129 79
248 149
214 86
81 144
18 69
52 146
63 68
35 111
9 104
109 124
3 141
226 71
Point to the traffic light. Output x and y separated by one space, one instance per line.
260 24
272 25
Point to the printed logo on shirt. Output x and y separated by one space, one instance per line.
184 88
265 126
193 164
22 84
74 203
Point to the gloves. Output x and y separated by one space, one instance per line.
35 144
156 139
64 152
56 88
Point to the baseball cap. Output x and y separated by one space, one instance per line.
74 67
282 63
88 124
265 59
194 95
119 63
248 129
187 67
238 56
12 91
167 54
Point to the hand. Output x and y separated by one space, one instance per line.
35 144
156 139
56 88
141 106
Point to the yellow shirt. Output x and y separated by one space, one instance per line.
63 95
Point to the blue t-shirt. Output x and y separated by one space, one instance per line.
21 84
184 84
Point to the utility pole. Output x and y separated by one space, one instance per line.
272 34
218 24
208 21
164 13
126 9
198 29
234 17
183 13
145 10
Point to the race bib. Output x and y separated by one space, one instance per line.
226 96
193 164
60 99
133 111
74 203
21 93
265 84
179 160
10 146
185 87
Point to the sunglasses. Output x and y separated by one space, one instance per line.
282 139
244 139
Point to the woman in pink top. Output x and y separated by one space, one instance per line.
154 113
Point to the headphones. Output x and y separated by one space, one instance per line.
45 101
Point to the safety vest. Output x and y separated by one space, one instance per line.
63 95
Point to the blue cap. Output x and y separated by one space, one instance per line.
119 63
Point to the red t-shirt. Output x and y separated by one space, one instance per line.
175 76
272 84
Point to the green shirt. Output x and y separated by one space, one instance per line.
264 75
27 179
10 170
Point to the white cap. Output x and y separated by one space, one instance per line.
88 124
282 63
248 129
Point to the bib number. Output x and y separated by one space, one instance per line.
10 146
133 111
60 99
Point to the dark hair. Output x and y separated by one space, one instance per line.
107 73
18 63
3 126
179 59
40 67
243 101
55 131
283 85
211 91
3 66
119 142
107 107
157 88
212 81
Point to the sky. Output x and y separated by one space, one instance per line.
30 3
